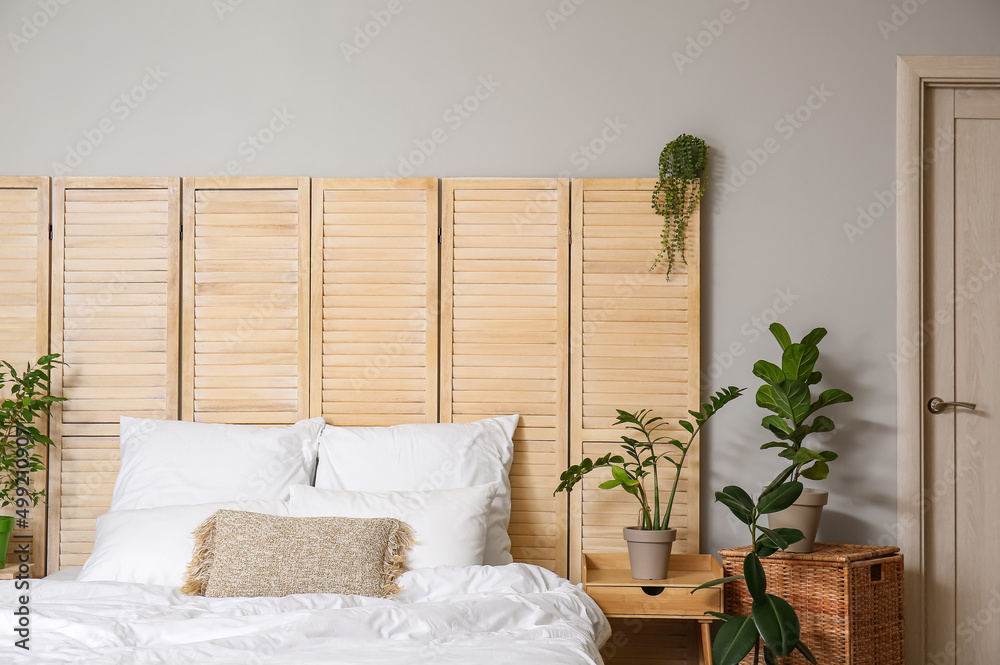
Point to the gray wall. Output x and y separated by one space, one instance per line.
785 238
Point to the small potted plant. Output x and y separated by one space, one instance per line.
650 542
677 193
772 622
787 393
24 398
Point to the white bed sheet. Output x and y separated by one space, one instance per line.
516 613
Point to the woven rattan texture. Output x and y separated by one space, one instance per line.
849 599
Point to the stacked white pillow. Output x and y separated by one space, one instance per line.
426 457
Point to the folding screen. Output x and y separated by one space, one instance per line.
504 328
24 311
116 320
375 300
635 345
246 300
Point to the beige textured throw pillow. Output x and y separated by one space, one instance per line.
238 553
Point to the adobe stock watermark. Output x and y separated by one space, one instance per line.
254 144
121 108
455 116
752 330
786 127
979 275
698 43
898 17
223 7
562 12
363 35
885 200
589 152
31 25
22 504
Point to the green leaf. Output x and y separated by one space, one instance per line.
610 484
768 371
623 477
780 334
717 582
775 444
734 641
828 455
774 537
736 505
818 471
822 424
779 498
778 480
814 378
777 623
798 361
814 337
806 653
792 399
720 615
789 536
828 397
686 425
776 424
765 398
763 547
740 495
755 578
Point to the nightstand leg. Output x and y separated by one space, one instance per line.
706 642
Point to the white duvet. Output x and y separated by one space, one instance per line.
505 614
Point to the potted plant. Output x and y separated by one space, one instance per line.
650 542
787 393
24 398
772 622
677 193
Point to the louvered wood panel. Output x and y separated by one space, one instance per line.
24 315
116 320
375 301
635 345
642 641
504 333
246 300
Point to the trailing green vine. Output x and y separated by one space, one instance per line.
677 193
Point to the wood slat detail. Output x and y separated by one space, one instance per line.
375 301
246 299
519 290
116 320
635 344
24 316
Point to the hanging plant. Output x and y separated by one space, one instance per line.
677 193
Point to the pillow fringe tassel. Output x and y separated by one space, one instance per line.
198 571
394 564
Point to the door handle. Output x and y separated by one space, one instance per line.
938 405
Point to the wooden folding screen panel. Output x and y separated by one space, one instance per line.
504 332
635 345
246 300
24 313
115 319
375 301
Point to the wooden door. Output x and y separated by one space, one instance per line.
962 363
246 300
504 337
24 314
116 320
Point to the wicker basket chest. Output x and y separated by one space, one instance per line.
849 599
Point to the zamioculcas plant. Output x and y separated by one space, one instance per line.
786 392
640 461
772 620
677 193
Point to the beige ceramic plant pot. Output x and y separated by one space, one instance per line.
649 552
803 515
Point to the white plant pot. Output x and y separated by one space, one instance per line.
803 515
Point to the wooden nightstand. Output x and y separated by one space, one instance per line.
607 579
10 572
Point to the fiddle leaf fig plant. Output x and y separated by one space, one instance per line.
787 393
772 622
641 459
677 193
24 398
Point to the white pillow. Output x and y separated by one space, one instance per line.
449 526
429 456
173 462
155 545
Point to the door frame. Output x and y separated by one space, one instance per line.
913 75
